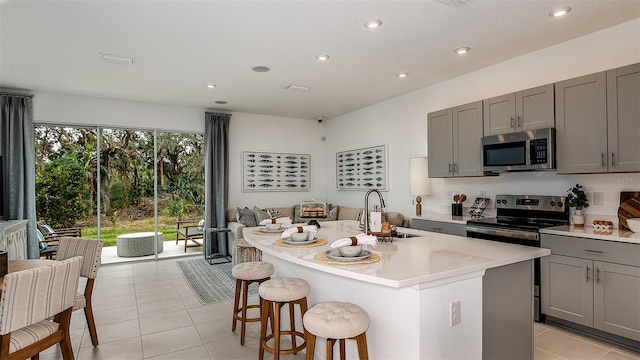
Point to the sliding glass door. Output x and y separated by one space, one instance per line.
148 181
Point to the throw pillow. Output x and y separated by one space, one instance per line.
246 217
274 213
332 215
48 230
260 214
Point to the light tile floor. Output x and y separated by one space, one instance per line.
146 310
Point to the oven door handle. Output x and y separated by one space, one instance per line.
519 234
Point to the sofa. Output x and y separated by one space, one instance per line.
239 218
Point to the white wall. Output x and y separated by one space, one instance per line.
401 124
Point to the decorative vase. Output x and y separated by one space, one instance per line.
578 218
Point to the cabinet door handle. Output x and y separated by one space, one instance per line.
519 121
450 168
613 159
512 122
595 251
602 158
597 275
587 273
436 228
455 167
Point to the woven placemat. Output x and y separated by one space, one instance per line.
323 258
258 232
319 242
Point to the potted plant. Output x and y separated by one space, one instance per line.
577 198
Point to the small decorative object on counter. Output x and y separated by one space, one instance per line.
313 209
478 206
577 198
602 224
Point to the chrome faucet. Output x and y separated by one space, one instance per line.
366 207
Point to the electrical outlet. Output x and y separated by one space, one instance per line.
598 198
455 314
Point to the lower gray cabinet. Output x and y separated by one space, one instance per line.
439 227
586 286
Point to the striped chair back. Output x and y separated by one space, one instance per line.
33 295
89 249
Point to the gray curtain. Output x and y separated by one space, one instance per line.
216 176
18 150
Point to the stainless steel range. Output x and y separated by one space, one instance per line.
518 221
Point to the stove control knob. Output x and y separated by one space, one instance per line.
560 204
552 204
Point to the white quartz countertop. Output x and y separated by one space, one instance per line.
430 257
444 218
590 232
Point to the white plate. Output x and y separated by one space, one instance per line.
264 229
288 240
334 254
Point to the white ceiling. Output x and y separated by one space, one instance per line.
181 46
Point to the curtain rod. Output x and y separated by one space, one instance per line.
4 93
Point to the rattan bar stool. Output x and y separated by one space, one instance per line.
274 294
245 274
336 321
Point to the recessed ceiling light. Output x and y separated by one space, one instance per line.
322 57
221 102
403 75
260 68
462 50
211 86
373 24
117 59
560 12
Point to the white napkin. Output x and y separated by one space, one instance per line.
285 221
310 228
362 238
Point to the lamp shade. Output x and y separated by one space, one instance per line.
419 182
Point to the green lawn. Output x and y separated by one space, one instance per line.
166 225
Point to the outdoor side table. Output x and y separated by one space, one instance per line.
211 250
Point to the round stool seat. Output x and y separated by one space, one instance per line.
336 320
254 270
284 289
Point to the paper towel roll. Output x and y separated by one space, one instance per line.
375 221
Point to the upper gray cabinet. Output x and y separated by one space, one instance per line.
521 111
598 122
623 118
454 141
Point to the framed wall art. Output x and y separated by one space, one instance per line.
268 171
362 169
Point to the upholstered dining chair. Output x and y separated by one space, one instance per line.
90 250
30 298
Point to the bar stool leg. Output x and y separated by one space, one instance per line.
311 344
330 343
235 305
361 340
245 290
276 334
265 309
343 352
292 324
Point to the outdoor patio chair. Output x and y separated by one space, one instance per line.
190 231
91 250
30 298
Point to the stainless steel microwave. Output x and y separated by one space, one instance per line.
520 151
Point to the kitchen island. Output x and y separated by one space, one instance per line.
409 292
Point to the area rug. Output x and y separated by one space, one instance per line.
211 283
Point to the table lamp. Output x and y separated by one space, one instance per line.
419 183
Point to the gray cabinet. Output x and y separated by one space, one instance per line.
623 119
521 111
597 122
442 227
593 283
454 141
13 238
